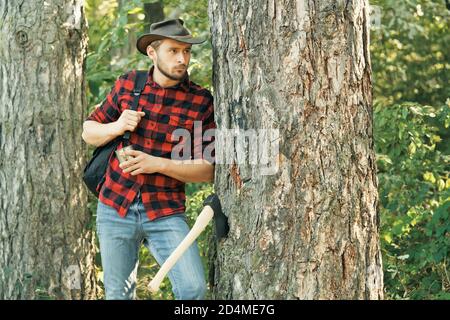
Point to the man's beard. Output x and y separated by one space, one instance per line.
168 75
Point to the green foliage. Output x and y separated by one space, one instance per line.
410 63
414 190
410 52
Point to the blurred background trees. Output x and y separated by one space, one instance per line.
410 61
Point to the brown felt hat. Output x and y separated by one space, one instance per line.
167 29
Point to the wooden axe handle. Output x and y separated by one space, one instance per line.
200 224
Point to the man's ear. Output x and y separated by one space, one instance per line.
151 52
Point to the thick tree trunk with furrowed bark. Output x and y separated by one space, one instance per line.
310 231
47 248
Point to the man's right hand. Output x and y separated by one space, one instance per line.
128 121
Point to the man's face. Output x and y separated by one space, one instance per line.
171 58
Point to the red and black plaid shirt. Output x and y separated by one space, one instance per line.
166 109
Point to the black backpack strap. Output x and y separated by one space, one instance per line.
139 84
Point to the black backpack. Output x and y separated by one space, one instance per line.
95 170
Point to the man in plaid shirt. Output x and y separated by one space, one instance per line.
142 200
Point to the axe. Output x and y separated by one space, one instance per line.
211 208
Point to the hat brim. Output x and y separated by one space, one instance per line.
144 41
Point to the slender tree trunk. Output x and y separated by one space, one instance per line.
154 12
310 231
46 244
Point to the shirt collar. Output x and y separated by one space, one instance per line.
183 84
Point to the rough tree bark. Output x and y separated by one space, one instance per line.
47 248
310 231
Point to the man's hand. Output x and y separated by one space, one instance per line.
141 163
182 170
128 121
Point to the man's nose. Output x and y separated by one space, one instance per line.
182 59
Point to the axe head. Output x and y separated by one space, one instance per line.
220 219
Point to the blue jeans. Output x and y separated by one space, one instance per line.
121 238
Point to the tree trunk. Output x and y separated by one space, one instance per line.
310 231
154 12
46 243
